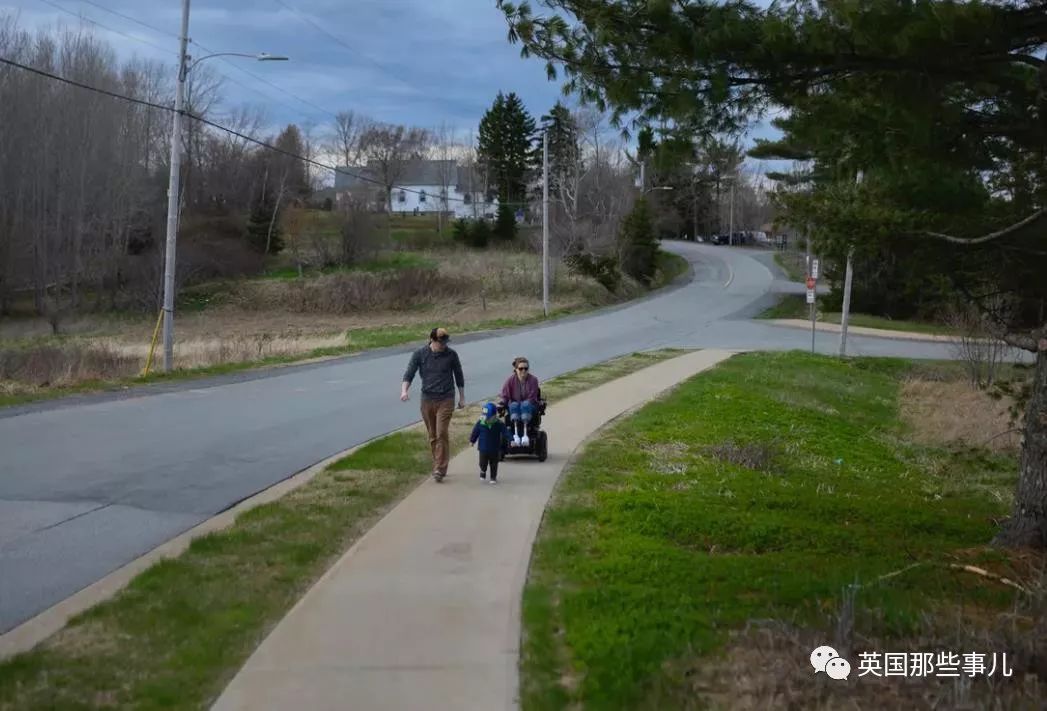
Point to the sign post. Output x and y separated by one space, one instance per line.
812 282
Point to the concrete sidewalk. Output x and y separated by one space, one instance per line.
424 610
863 331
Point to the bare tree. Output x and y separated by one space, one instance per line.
344 139
388 150
444 151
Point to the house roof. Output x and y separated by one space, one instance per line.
435 173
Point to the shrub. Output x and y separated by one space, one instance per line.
460 231
479 234
603 268
505 224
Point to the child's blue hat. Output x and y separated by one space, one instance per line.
489 410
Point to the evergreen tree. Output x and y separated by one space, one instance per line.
263 226
505 224
479 234
506 147
564 154
292 171
638 246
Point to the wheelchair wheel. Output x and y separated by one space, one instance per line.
542 448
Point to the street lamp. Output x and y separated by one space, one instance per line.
175 176
259 56
664 187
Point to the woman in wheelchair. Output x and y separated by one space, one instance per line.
521 396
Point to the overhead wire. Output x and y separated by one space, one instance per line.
337 40
168 33
224 129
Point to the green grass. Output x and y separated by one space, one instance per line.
793 306
670 266
177 634
660 539
793 264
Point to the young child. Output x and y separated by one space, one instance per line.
488 434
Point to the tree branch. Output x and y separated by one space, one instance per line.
992 235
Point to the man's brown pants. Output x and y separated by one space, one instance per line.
437 417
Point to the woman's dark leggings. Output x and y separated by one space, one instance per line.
492 460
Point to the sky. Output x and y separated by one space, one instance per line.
416 62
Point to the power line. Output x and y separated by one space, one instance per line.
84 18
72 82
224 129
206 49
131 19
322 30
269 83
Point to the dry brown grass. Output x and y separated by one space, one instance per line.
954 412
287 318
768 666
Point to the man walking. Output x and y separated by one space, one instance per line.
441 371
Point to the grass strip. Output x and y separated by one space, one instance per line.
757 490
795 306
179 632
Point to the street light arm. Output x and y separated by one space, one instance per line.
261 57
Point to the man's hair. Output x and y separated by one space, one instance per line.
439 334
518 360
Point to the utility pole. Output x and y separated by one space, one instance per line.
730 238
810 273
174 181
643 181
846 301
849 275
545 222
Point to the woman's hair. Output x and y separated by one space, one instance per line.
518 360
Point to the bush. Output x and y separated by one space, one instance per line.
604 269
460 231
479 234
505 224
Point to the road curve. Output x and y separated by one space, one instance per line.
87 485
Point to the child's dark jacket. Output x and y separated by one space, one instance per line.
489 436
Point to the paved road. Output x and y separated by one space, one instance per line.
90 484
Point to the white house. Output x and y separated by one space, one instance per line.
424 186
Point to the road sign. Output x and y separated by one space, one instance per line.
810 296
810 283
814 269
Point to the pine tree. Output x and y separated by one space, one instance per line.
506 147
564 154
261 221
505 224
638 246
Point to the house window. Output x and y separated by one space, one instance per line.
468 199
421 196
402 197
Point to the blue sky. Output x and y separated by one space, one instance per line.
420 62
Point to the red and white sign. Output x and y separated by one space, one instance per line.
810 283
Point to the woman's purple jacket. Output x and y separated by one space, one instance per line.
516 391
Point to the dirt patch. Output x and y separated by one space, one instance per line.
943 412
768 665
758 456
